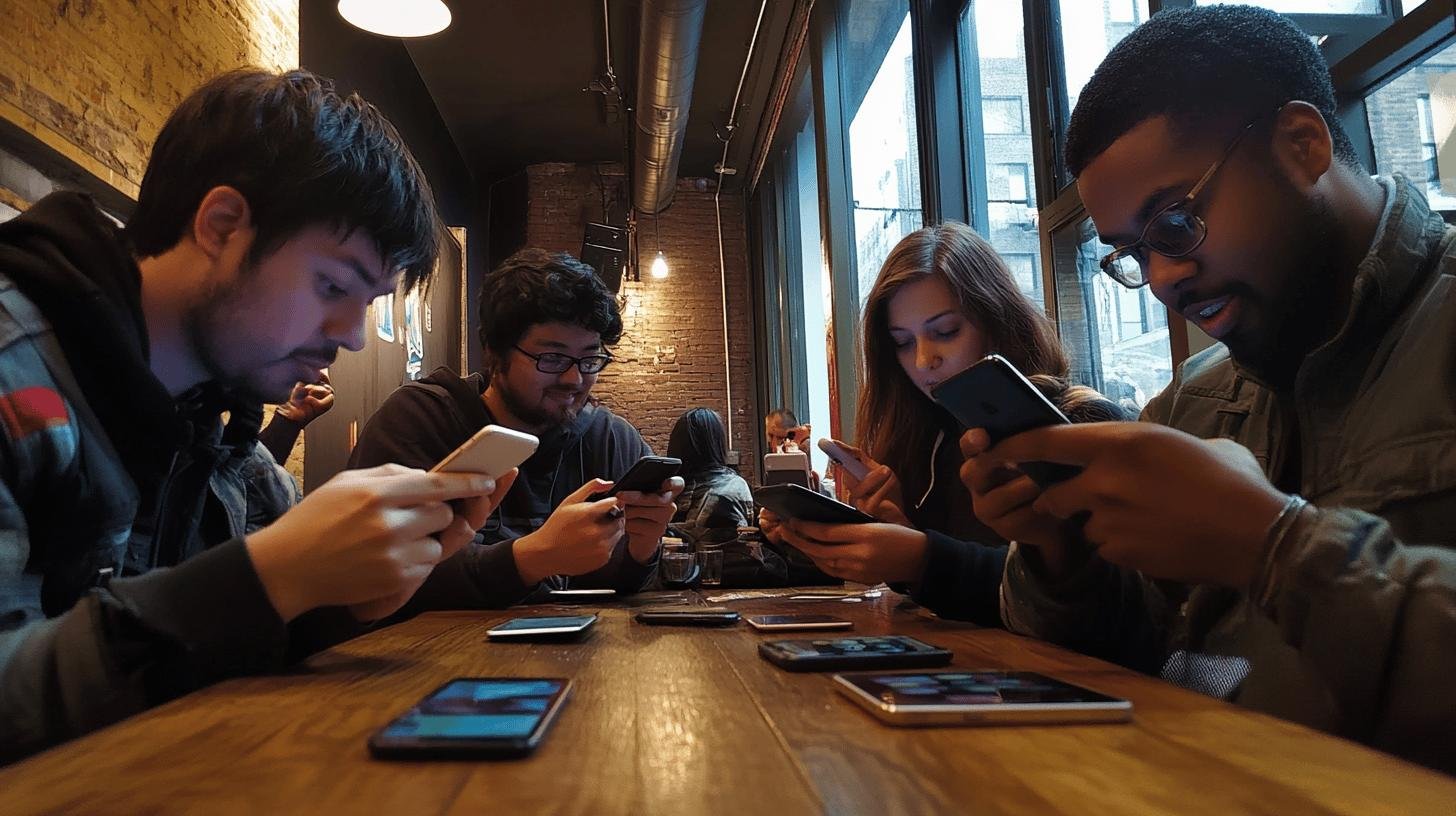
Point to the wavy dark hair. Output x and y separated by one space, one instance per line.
302 155
1204 67
699 440
895 422
536 286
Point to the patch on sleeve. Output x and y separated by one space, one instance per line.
31 410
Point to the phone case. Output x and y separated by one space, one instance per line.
493 450
842 457
646 475
993 395
797 502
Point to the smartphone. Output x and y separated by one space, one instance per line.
559 627
979 698
835 451
493 450
582 594
790 467
993 395
688 616
796 502
475 718
789 623
870 652
646 475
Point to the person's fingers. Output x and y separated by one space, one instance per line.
420 487
592 486
975 442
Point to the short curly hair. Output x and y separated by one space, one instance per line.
1199 66
536 286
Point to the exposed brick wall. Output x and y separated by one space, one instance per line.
95 80
671 357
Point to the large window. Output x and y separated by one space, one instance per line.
877 82
1117 337
1089 30
1412 120
817 303
999 143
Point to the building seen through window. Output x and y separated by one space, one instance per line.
1411 123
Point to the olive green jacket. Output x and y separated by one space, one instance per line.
1357 634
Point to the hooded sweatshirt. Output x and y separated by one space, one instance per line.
103 474
423 421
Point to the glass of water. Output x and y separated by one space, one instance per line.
710 565
677 564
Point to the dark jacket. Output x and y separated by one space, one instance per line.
423 421
713 506
1350 627
103 473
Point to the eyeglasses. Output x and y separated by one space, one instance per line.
553 363
1175 231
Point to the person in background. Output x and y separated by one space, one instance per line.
546 324
305 403
716 501
272 211
784 433
943 300
1209 153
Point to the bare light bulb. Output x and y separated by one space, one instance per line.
659 265
397 18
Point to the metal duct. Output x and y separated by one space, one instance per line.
667 62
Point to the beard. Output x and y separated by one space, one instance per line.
538 415
1301 310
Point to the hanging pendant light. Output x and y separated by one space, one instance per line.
659 264
397 18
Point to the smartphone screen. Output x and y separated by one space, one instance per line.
475 715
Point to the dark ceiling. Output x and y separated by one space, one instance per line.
508 76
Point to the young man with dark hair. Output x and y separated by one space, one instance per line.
272 211
546 321
1208 155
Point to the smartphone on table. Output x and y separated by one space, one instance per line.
475 718
849 653
557 627
582 594
688 616
645 476
791 623
493 450
993 395
978 698
837 453
790 501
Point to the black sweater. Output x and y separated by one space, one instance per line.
423 421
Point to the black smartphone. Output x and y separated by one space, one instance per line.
688 616
475 718
646 475
869 652
993 395
557 627
797 502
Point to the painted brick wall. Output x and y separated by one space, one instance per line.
95 80
671 357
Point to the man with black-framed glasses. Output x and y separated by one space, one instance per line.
546 322
1280 530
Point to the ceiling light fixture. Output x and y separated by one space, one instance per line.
397 18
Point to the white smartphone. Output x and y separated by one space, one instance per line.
582 593
551 627
493 451
973 697
786 468
835 451
791 623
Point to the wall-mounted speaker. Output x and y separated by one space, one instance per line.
604 248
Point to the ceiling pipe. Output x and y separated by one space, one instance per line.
667 63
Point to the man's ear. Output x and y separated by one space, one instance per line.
1301 143
223 217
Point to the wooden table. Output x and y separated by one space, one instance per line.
689 720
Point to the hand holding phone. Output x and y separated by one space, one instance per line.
993 395
837 453
645 476
795 502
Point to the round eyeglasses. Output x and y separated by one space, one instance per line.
1175 231
551 362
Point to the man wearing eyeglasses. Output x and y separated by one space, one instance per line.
546 322
1279 529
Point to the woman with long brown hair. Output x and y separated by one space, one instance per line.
943 300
